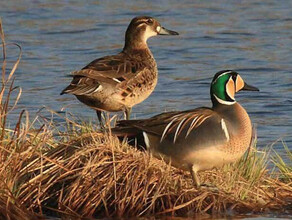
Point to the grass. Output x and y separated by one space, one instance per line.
76 171
284 163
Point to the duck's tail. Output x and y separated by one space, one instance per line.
126 130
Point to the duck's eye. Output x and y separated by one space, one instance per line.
150 21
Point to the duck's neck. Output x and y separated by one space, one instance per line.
234 113
226 110
135 45
135 40
137 50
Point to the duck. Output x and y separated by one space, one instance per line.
198 139
118 82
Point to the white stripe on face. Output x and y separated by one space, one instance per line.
224 102
149 32
222 74
158 28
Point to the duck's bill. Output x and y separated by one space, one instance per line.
250 88
164 31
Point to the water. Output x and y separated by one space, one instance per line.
252 37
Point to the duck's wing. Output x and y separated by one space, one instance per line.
115 71
175 126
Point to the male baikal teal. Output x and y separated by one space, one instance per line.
118 82
201 138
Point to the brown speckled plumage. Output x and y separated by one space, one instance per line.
136 78
118 82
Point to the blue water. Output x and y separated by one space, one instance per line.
252 37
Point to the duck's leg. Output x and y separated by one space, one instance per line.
127 113
195 177
197 183
100 119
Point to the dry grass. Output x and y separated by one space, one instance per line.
82 173
96 175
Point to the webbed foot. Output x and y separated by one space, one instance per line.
209 187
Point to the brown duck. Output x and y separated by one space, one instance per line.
118 82
202 138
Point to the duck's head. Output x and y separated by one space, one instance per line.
141 29
224 86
